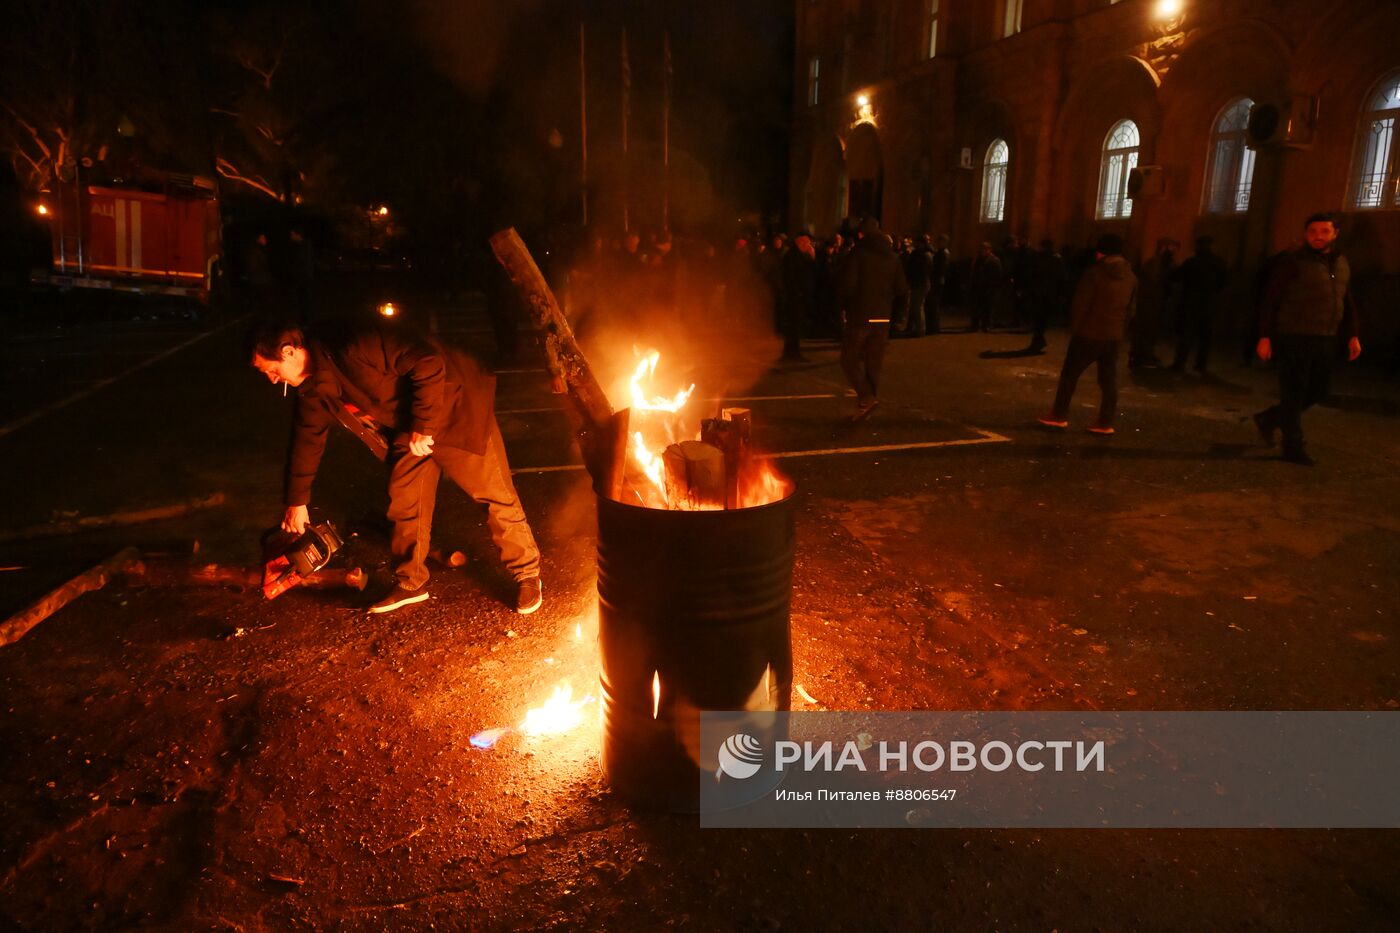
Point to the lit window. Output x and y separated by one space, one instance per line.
1011 18
814 74
1120 157
1230 163
932 48
994 166
1375 180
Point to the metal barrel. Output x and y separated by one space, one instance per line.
698 602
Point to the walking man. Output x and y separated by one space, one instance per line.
873 291
434 409
1103 304
1306 306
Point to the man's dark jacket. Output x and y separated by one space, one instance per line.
873 286
402 380
1105 300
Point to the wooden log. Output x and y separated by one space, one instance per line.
173 574
563 357
448 558
620 442
71 526
730 433
18 625
694 475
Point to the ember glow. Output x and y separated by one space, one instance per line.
560 714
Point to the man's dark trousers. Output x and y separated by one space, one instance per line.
1081 353
1304 378
863 356
413 483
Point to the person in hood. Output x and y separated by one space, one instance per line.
1103 304
1306 307
873 291
433 408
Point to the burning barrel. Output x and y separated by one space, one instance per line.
693 615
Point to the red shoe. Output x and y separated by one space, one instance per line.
1104 429
1050 421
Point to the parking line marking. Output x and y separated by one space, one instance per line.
984 437
104 383
729 398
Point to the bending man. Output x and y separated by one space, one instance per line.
433 408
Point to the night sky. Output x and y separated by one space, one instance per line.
462 115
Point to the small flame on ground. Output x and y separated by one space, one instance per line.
578 632
487 738
655 694
561 713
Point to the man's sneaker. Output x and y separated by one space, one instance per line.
1298 456
864 409
530 597
1104 429
1265 427
1050 421
399 597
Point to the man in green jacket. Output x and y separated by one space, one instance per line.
1306 306
434 410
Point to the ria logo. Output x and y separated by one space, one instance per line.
740 756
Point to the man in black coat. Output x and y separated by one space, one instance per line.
432 407
1306 308
873 291
1202 278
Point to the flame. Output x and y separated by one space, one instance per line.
655 694
646 369
759 482
561 713
762 484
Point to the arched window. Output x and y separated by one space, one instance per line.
1375 181
1120 156
994 165
1230 163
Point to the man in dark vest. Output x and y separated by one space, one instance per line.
1306 306
434 411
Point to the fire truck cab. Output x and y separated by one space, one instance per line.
157 233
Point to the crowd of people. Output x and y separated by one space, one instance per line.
862 287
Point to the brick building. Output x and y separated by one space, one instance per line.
983 118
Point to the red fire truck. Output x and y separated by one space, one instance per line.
158 233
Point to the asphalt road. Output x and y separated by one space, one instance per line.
195 758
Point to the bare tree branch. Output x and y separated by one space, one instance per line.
258 183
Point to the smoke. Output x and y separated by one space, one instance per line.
710 317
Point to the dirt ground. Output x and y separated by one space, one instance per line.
199 759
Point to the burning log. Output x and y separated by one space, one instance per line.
566 363
18 625
730 433
695 475
69 526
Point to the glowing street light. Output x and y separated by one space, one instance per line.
43 210
1168 10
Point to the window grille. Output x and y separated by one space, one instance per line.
1120 157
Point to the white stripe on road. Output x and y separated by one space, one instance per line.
984 437
98 386
735 398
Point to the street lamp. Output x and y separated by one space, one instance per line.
1168 10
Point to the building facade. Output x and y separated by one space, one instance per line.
1067 118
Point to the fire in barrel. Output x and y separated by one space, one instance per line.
695 555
